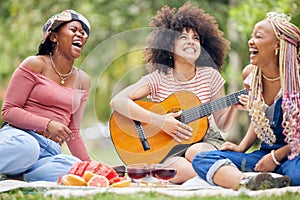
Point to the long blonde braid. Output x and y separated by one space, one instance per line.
289 60
257 109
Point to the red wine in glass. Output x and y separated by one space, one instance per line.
137 172
152 173
165 173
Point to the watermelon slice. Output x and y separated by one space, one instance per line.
94 166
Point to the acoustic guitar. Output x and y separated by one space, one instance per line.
137 142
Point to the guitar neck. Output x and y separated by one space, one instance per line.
208 108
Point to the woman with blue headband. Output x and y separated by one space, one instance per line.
44 104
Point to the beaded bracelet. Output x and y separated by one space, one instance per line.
274 159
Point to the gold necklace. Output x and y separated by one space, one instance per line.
270 79
62 77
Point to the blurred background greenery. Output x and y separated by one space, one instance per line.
113 54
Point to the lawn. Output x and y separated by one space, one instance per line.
38 195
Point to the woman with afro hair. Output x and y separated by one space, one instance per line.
185 51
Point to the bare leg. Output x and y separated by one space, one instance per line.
228 177
185 170
193 150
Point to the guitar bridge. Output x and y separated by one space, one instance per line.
142 135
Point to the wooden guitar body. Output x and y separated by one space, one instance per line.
127 141
126 135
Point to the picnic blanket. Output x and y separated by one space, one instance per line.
193 187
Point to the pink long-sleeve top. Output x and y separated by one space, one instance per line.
32 100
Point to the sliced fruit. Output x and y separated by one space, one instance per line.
98 181
81 168
74 180
111 174
102 171
59 180
78 168
115 180
74 168
64 181
124 183
108 172
94 166
88 175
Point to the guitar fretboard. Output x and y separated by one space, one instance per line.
208 108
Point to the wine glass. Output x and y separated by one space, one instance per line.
152 170
137 172
152 174
164 172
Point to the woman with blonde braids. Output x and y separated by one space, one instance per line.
273 81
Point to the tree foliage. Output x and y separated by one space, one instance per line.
113 54
248 12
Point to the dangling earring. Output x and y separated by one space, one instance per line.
276 52
170 56
56 49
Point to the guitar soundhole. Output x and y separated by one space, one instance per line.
174 110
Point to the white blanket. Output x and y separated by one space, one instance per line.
193 187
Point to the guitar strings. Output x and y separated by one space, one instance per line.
207 108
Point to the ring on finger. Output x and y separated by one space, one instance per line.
177 133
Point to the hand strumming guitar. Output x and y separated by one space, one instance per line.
170 125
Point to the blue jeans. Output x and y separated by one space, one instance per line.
207 163
25 152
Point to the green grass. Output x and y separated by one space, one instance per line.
38 195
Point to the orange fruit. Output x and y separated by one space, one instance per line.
74 180
88 175
124 183
65 181
98 181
